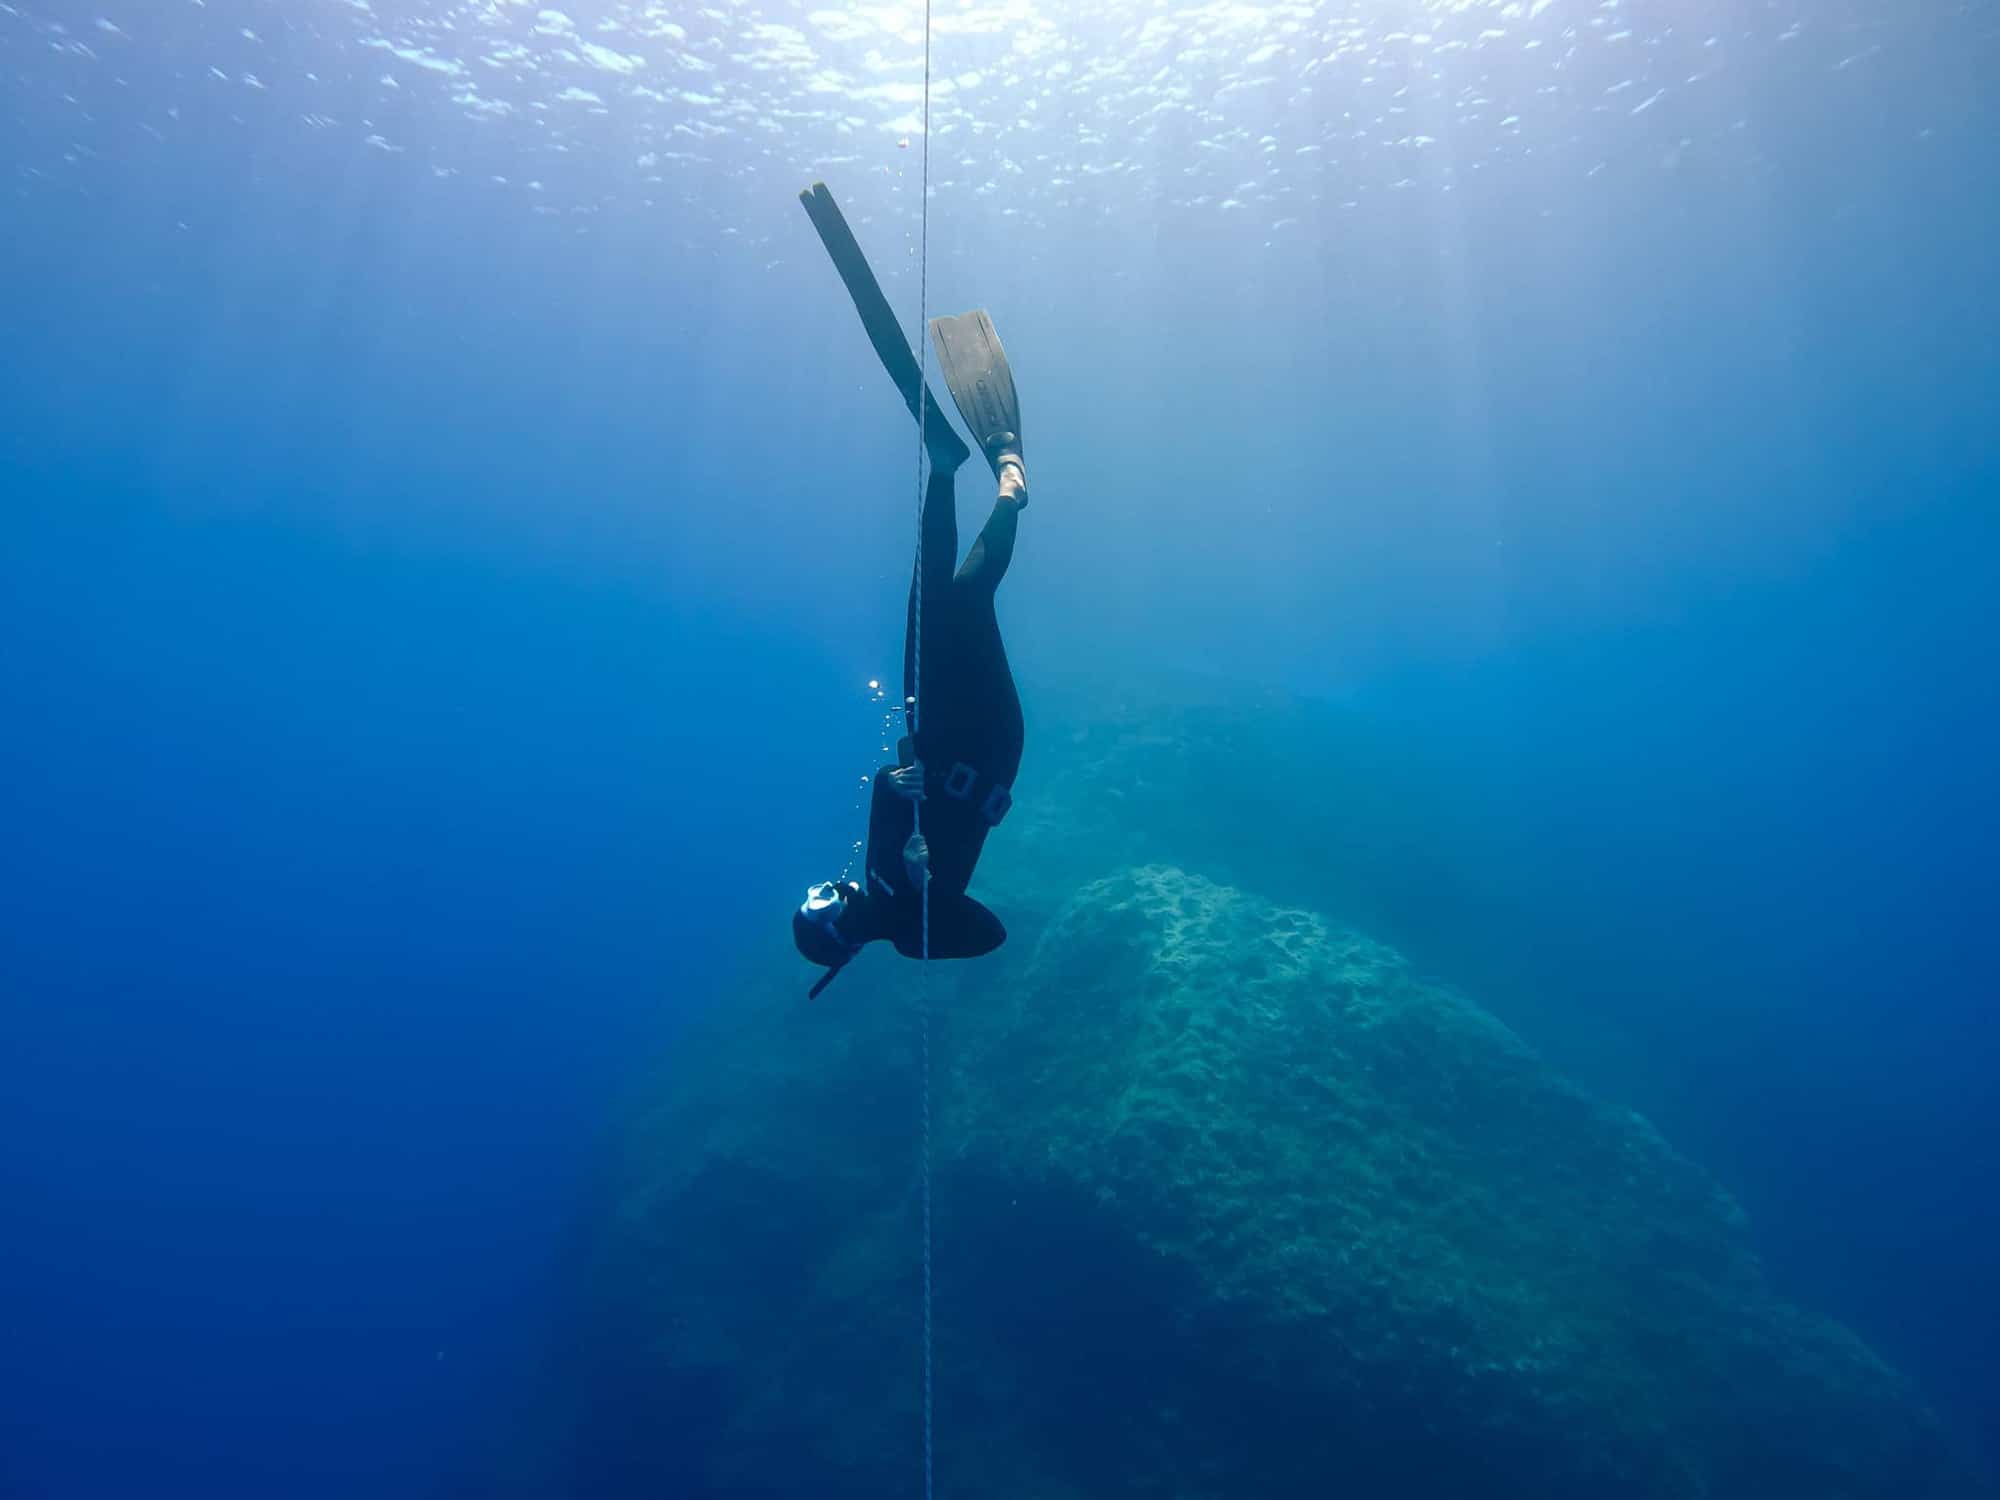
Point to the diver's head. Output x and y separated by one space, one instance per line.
823 928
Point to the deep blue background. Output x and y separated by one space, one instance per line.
431 648
355 847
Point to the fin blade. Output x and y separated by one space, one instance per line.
879 321
981 382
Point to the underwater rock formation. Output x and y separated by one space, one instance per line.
1230 1203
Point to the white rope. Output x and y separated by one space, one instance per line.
915 707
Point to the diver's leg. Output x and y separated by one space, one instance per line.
986 564
937 554
936 559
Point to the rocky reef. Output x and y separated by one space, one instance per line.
1229 1202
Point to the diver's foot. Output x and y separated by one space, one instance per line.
946 457
1014 482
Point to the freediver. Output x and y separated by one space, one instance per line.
929 814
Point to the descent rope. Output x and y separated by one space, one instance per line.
915 708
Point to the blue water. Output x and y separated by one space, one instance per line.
451 516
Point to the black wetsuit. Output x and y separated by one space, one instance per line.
968 737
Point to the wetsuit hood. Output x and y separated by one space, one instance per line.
822 929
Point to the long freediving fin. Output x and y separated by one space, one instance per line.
946 448
975 370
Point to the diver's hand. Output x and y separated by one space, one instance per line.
917 861
1014 482
907 782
